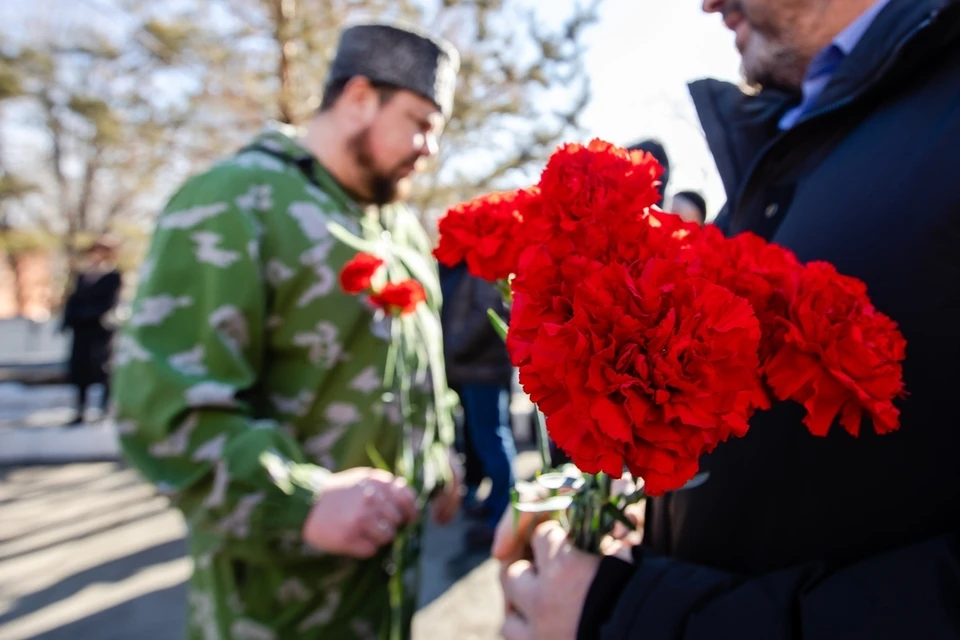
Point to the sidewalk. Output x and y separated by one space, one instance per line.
87 550
32 419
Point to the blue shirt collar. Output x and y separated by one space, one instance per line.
848 39
829 58
825 63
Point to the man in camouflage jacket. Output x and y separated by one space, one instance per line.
251 389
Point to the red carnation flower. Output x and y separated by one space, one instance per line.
542 294
356 274
487 233
656 235
840 356
764 274
589 192
598 180
650 371
403 296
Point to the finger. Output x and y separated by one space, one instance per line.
379 530
445 507
441 515
519 583
404 498
363 547
387 510
379 476
610 545
445 516
637 513
617 548
440 509
619 531
516 628
379 517
505 537
512 535
549 541
623 486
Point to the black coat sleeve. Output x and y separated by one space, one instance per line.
912 592
471 329
108 297
88 303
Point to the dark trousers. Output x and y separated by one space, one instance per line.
487 409
472 467
82 390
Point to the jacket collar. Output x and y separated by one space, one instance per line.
281 140
886 47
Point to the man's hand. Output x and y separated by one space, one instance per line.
512 539
546 596
446 504
358 512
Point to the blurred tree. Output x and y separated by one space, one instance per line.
521 89
12 187
122 99
105 137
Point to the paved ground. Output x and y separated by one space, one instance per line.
87 551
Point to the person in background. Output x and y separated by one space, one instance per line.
472 467
844 151
479 369
263 395
690 206
87 315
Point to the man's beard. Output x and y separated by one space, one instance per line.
383 187
771 59
782 69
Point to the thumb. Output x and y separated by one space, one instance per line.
549 540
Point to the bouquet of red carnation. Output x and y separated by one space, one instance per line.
646 341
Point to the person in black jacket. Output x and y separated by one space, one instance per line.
479 370
472 467
95 295
690 206
846 154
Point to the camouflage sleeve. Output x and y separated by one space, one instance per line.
188 363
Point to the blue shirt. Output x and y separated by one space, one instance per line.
825 64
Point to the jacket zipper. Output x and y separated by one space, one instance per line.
831 108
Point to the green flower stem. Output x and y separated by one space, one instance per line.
407 468
589 519
543 440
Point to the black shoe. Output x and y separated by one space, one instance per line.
479 537
76 422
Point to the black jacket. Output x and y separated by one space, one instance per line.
473 351
793 536
84 313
